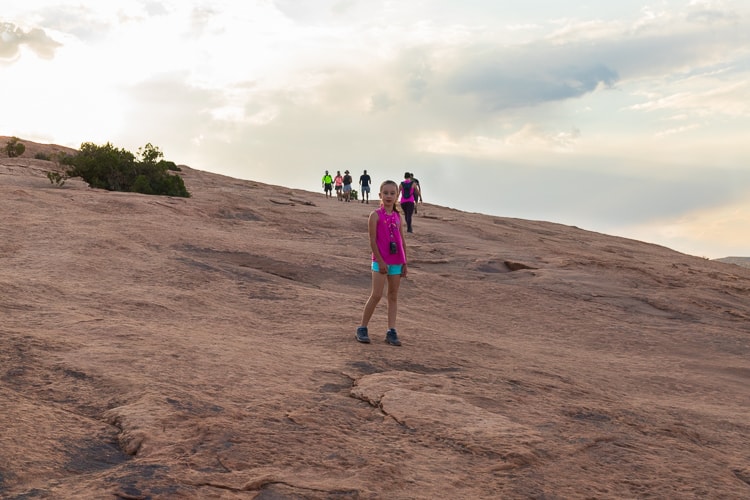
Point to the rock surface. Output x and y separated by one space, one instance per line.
156 347
738 261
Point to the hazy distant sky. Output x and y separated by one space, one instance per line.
625 117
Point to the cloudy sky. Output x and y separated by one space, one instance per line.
627 117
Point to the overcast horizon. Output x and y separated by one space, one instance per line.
627 118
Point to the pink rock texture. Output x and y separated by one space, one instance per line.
203 347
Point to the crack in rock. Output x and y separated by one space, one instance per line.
446 417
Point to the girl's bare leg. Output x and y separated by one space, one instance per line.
394 282
378 282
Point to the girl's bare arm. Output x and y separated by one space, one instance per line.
372 226
403 243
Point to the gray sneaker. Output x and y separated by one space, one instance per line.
362 335
392 338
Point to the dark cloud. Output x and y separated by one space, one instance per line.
497 78
501 78
12 38
506 79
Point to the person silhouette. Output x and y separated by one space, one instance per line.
347 186
328 184
364 183
419 186
409 192
338 183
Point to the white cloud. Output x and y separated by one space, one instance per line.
677 130
598 101
732 99
14 38
529 139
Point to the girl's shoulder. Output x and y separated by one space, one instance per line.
374 218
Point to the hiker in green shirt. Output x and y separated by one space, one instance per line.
328 185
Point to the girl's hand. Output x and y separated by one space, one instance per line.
403 271
382 267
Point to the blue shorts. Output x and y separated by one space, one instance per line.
393 269
347 188
365 189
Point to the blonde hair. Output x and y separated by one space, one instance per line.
395 204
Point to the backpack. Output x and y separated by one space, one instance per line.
406 190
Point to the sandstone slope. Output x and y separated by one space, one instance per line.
156 347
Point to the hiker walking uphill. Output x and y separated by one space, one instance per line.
409 192
338 182
347 186
328 184
364 183
419 188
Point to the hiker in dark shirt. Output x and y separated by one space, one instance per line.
364 183
347 186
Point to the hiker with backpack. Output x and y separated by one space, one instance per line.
409 192
419 190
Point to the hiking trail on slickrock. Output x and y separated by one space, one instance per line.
203 347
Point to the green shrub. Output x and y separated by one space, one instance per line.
14 148
142 185
171 185
42 156
108 167
171 166
57 178
63 158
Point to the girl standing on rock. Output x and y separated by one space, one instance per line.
388 260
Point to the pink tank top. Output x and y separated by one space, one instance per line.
389 229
